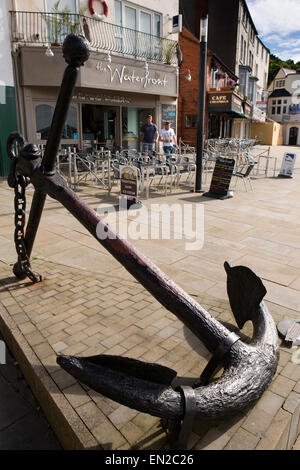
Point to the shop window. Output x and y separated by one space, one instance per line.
191 121
43 118
130 127
98 124
70 128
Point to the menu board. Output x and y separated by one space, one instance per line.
221 177
128 176
168 113
287 166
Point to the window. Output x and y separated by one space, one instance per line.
191 121
57 26
257 50
279 83
276 106
43 118
138 19
135 19
70 128
70 4
245 19
243 51
251 59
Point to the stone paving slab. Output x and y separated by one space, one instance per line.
105 314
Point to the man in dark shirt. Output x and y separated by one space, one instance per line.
149 135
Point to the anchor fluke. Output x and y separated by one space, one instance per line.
245 291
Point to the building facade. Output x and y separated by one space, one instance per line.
284 104
8 114
240 66
132 70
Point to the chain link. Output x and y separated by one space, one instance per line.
20 208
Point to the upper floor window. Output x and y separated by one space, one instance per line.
56 6
257 50
137 18
251 59
276 107
245 19
243 50
279 83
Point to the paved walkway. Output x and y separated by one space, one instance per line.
259 229
23 425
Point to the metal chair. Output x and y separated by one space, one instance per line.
243 172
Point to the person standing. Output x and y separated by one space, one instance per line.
168 138
149 135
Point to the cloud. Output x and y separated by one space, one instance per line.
281 16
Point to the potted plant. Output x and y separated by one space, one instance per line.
168 48
60 22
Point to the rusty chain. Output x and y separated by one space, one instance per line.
20 207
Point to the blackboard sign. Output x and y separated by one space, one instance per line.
220 182
168 113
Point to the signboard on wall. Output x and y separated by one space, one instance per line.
224 101
168 113
287 166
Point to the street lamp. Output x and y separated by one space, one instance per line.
201 102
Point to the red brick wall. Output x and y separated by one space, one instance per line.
188 91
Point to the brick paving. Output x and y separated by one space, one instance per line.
96 315
100 308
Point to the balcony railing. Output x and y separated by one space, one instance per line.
38 28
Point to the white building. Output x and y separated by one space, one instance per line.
252 67
132 70
284 104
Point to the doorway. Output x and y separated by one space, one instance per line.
132 121
293 139
99 125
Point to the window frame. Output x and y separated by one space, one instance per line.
185 121
75 105
139 9
77 2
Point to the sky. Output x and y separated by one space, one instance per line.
278 26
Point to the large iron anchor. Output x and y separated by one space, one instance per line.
248 368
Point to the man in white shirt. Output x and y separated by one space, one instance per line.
168 138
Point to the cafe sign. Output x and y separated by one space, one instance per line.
127 75
122 74
226 102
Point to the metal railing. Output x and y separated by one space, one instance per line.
38 28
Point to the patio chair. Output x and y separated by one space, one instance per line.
243 172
